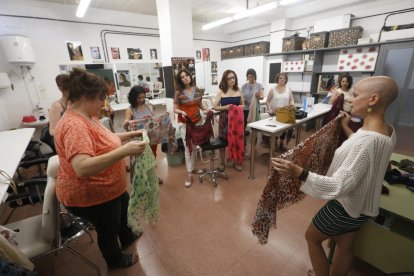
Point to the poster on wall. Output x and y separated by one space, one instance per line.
179 63
153 53
134 53
293 66
214 79
123 78
214 67
206 54
115 53
198 55
75 50
358 59
95 53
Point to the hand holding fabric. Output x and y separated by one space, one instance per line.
286 167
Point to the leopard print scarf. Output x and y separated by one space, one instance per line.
315 154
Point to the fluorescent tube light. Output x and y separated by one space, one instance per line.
217 23
254 11
287 2
83 6
241 15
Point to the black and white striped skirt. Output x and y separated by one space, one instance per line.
333 220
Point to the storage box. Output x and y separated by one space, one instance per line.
345 37
247 50
232 52
292 43
318 40
175 159
256 49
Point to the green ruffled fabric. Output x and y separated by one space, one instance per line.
145 194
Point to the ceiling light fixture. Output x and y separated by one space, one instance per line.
241 15
217 23
287 2
82 7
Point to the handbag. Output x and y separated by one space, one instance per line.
300 114
286 114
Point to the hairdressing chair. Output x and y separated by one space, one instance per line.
212 146
41 235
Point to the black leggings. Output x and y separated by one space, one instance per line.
110 220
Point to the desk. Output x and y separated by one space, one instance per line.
389 246
272 128
13 144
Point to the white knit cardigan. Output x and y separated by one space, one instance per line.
356 173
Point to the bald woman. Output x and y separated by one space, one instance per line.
353 182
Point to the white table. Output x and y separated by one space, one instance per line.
271 127
13 144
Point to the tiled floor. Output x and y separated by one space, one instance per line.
205 230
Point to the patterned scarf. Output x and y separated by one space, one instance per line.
192 108
315 154
159 129
254 111
235 134
199 134
145 193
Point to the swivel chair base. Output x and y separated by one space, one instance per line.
212 146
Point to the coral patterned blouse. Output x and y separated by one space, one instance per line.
74 135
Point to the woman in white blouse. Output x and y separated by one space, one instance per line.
354 180
280 96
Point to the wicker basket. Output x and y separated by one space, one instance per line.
319 40
345 37
292 43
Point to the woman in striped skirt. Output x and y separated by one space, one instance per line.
354 180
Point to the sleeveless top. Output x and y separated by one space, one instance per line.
63 107
136 114
230 100
280 99
347 98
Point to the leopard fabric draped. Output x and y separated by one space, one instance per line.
145 192
315 154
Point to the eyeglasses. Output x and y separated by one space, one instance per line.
231 78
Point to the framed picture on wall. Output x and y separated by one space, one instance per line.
214 67
123 78
95 53
214 79
134 53
153 53
206 54
75 50
198 55
115 53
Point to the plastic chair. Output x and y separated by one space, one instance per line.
41 235
212 146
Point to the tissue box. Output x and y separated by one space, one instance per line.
365 40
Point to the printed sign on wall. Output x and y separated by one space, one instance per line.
358 59
293 66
